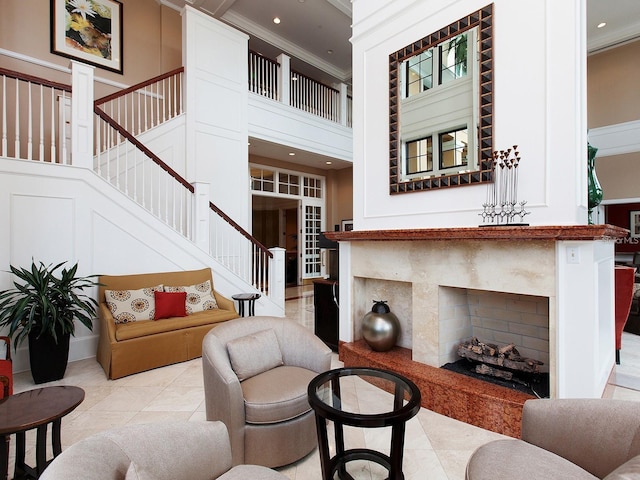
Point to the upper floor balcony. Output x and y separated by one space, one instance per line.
289 108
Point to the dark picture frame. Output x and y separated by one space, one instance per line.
89 31
634 224
347 225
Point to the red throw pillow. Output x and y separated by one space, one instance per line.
170 304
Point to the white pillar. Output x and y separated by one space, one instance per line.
284 74
346 330
82 114
277 276
214 56
201 230
343 104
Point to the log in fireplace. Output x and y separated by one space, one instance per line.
502 365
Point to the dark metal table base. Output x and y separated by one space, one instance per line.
333 412
23 471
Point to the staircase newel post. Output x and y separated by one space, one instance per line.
277 276
82 114
201 233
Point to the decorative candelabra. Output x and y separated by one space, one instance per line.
501 206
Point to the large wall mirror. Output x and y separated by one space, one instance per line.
441 107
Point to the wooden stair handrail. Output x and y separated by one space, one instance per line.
241 230
34 79
115 125
138 86
176 175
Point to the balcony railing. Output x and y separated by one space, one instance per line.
34 118
263 76
270 79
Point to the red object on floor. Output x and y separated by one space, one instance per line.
624 278
6 369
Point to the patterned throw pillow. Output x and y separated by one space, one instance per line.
199 297
132 305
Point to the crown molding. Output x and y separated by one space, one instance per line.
613 39
286 46
343 5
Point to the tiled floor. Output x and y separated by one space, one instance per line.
436 447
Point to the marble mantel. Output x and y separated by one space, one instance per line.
570 265
551 232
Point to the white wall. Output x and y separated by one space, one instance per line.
539 104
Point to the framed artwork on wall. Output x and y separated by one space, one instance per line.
89 31
634 223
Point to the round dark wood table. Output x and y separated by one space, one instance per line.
251 298
34 409
325 398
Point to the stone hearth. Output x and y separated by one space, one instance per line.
469 400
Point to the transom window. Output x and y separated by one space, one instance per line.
286 183
262 180
312 187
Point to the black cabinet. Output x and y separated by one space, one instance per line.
325 301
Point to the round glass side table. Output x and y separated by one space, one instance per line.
325 398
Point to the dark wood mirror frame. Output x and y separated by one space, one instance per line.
482 18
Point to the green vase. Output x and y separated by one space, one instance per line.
593 186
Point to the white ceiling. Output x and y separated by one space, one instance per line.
309 29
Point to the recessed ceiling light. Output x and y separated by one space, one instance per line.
329 52
603 24
328 162
291 154
276 20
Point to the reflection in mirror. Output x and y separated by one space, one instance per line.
441 107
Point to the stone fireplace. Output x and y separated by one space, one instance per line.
548 289
496 317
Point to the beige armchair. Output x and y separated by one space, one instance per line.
571 439
256 372
159 451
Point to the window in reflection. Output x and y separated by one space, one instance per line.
452 153
454 148
420 156
453 55
419 73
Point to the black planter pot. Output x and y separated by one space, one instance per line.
48 360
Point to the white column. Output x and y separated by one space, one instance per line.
277 276
284 74
201 230
343 104
214 56
82 114
346 330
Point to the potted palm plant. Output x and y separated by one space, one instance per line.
43 308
